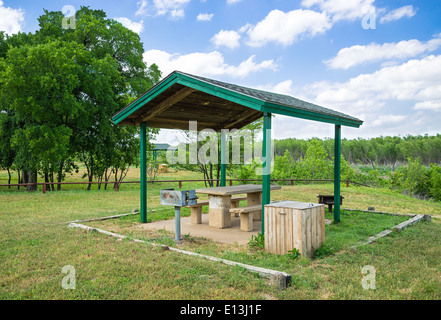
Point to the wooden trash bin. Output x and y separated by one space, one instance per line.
291 224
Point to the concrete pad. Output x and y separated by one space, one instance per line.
226 235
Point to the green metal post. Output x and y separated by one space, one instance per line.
266 170
143 209
223 152
337 153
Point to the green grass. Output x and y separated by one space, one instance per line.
34 247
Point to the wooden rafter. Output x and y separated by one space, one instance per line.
241 117
164 105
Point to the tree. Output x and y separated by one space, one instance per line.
38 82
64 85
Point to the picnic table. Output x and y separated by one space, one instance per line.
219 202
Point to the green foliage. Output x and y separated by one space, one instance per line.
293 254
435 182
324 251
61 88
257 241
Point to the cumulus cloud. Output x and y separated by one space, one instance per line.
286 27
384 99
406 11
137 27
10 19
175 8
433 105
205 64
316 17
356 55
227 38
342 10
204 17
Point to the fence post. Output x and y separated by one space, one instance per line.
180 184
44 189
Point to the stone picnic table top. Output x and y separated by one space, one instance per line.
231 190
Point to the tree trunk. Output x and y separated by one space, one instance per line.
9 180
60 175
51 177
46 179
90 182
32 178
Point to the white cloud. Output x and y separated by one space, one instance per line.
355 55
137 27
205 64
233 1
434 105
204 17
227 38
342 9
142 7
406 11
413 80
387 120
175 8
11 19
285 28
393 100
176 14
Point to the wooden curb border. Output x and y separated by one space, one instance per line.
278 278
398 228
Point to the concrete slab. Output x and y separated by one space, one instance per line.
227 235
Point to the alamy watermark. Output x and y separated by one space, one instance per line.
368 281
369 21
204 149
69 281
69 21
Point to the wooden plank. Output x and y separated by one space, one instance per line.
297 230
232 190
241 117
322 223
303 231
261 271
313 213
164 105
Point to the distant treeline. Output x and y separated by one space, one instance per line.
380 151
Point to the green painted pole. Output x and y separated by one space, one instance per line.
337 153
266 170
143 134
223 147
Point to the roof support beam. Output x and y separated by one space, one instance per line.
167 103
241 117
266 170
337 153
143 163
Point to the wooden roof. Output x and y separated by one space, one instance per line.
182 97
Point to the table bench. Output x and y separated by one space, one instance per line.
196 209
220 202
329 200
247 216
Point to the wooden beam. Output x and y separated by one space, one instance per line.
242 116
164 105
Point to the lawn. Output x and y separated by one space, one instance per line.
35 245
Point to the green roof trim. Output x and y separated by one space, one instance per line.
252 98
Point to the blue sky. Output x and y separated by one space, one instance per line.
377 60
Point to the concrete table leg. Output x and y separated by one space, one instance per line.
254 199
219 211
